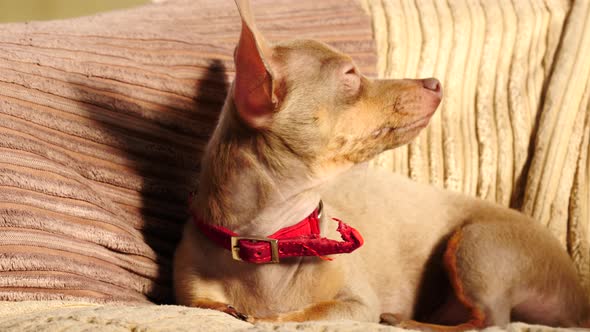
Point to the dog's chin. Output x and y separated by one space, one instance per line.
365 148
395 136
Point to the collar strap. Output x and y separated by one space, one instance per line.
301 239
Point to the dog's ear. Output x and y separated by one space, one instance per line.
253 87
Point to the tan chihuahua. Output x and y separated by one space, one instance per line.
298 117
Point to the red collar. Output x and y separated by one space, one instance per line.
301 239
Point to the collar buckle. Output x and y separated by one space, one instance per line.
274 247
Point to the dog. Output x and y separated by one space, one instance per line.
263 242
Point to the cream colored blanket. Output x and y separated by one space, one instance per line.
79 316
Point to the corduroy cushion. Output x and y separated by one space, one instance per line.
102 122
514 123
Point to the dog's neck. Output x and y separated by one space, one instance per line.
249 183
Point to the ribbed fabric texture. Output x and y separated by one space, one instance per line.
103 119
102 123
513 126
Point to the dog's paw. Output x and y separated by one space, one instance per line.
391 319
236 314
398 321
220 306
408 324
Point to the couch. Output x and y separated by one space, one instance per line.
103 119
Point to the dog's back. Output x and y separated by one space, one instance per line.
298 117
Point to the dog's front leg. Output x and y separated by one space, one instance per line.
196 287
206 294
205 303
337 309
356 300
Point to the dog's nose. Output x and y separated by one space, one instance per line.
431 84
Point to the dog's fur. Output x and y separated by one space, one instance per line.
298 119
